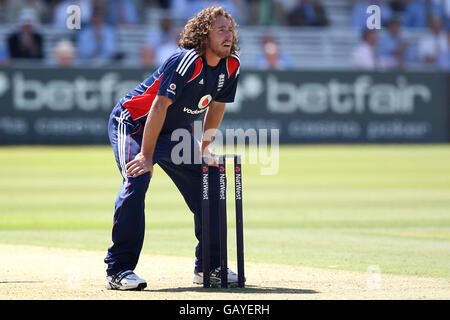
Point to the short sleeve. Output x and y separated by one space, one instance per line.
177 70
228 93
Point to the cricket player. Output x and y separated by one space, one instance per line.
197 80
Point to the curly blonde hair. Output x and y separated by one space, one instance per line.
196 31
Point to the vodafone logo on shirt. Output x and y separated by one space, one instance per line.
202 104
204 101
172 88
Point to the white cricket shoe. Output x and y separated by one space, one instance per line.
125 280
215 278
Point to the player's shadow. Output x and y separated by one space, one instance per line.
247 290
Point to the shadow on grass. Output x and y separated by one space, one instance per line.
247 289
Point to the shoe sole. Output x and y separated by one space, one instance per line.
216 283
140 287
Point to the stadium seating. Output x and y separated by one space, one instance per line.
308 48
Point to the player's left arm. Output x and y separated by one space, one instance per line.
216 110
212 121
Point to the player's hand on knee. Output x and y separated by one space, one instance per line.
210 157
140 165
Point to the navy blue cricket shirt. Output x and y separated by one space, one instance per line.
187 79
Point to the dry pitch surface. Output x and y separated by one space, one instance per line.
29 272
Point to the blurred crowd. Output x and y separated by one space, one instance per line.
390 49
96 41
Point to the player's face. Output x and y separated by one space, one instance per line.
220 37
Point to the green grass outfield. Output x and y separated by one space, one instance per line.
342 206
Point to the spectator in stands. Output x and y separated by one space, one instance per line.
253 12
434 44
179 9
399 6
392 48
162 42
164 51
122 13
364 56
165 32
4 56
163 4
3 18
360 15
445 4
308 13
271 57
270 13
14 8
64 53
147 56
444 58
97 42
186 9
60 14
418 13
27 42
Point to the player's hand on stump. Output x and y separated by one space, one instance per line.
140 165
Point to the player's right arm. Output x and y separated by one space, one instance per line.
177 71
143 162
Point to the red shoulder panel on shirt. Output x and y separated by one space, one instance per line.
232 65
198 68
140 105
